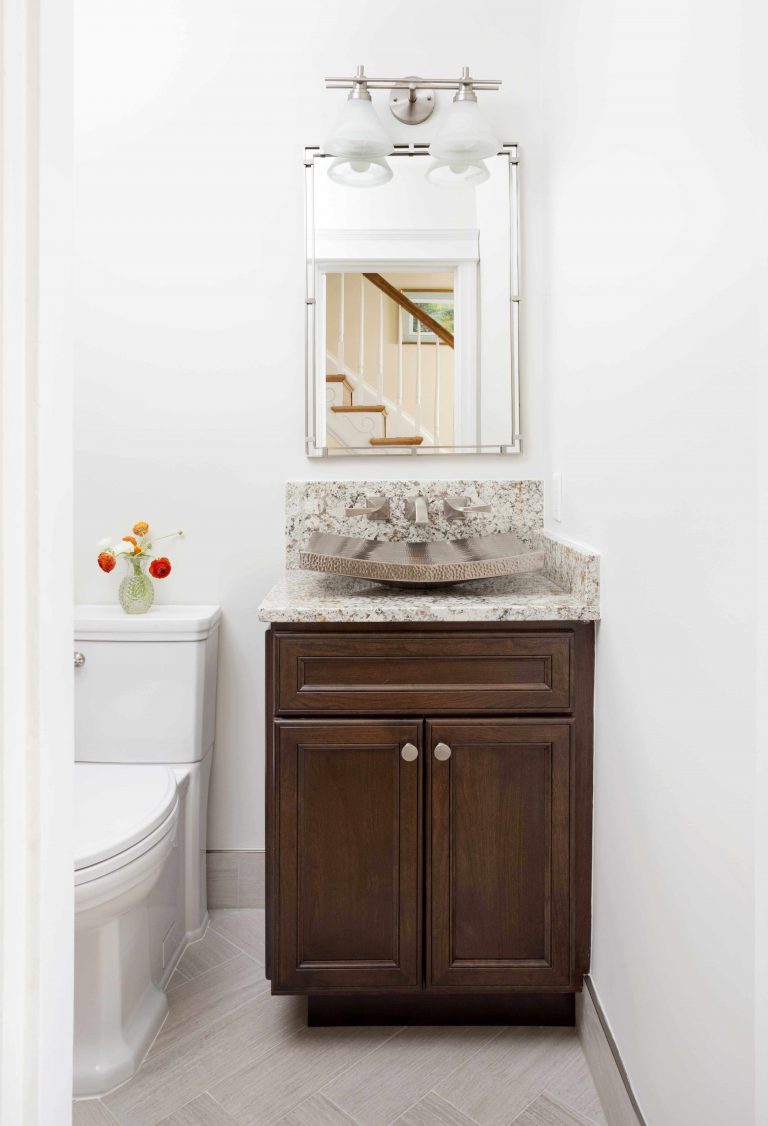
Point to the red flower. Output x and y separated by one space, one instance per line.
106 561
160 568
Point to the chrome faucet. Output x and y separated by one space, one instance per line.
416 509
375 508
457 508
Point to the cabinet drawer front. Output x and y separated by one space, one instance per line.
499 854
411 673
348 895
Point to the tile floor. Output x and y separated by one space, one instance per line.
230 1054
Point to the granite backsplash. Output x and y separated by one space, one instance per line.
518 506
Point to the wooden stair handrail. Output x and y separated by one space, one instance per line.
416 440
406 303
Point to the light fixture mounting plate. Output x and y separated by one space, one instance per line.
411 104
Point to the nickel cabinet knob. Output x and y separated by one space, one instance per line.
442 752
409 752
79 660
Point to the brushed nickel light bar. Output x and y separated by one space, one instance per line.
360 143
333 83
413 98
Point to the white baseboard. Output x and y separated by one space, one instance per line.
608 1071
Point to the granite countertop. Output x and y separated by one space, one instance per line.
304 596
567 589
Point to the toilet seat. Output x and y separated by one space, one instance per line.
121 812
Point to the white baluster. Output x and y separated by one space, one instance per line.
381 346
399 360
437 390
341 320
418 377
361 364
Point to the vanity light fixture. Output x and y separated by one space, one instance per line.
360 144
460 147
360 172
456 173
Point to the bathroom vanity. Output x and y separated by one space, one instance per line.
429 819
429 794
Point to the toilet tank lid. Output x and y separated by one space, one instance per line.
118 805
160 623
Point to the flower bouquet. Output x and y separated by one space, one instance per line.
136 592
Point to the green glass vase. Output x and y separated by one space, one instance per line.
136 592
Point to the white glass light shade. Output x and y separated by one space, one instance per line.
464 136
357 173
457 173
358 132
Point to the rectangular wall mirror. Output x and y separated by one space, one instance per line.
412 311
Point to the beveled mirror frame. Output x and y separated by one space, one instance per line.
315 404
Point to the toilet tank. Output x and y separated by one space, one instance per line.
146 691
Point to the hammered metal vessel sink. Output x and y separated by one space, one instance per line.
421 564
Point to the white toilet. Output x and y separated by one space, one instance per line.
145 700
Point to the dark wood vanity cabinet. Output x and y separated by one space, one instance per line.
348 856
429 819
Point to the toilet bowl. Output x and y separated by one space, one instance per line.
144 720
126 831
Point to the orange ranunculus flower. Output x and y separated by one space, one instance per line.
160 568
130 539
141 528
106 561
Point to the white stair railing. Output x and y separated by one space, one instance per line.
361 360
381 346
341 316
437 391
418 377
400 421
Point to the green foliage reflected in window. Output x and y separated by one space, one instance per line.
440 311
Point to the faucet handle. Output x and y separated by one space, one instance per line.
457 508
375 508
417 509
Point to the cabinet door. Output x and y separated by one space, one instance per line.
499 854
348 831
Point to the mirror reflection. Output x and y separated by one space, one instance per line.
389 343
412 299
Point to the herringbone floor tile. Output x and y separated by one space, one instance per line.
230 1054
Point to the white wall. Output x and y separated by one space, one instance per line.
191 121
657 280
36 685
